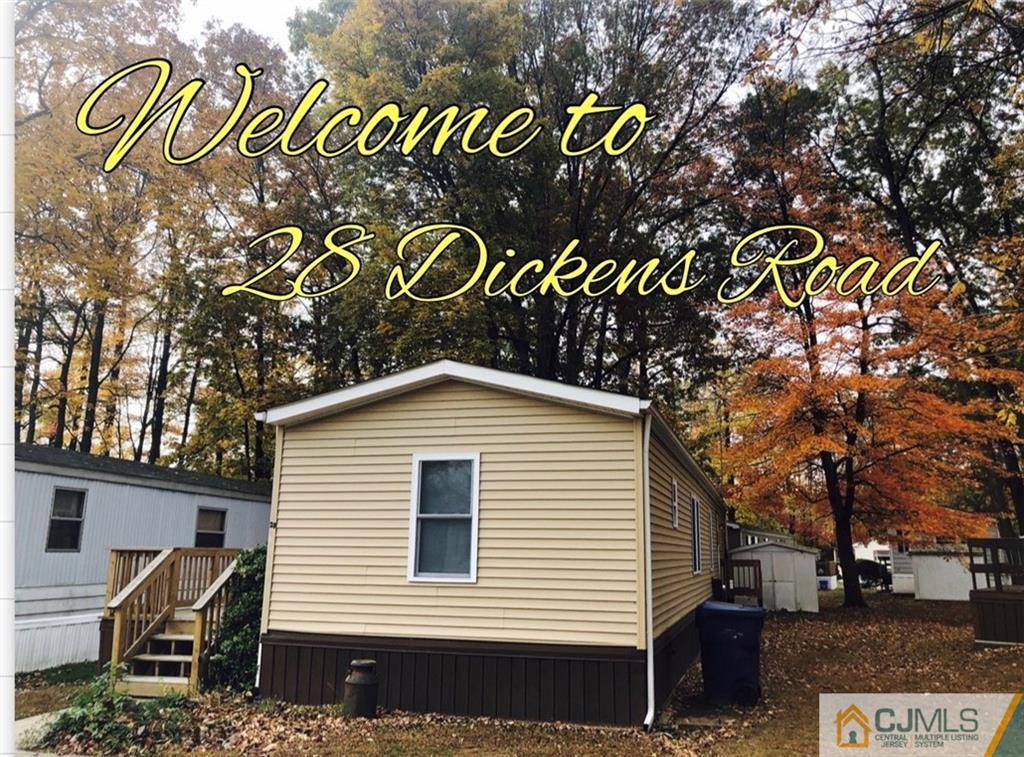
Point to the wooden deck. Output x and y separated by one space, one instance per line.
997 596
163 615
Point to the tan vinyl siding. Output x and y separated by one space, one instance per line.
557 531
676 589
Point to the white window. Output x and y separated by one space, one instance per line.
443 517
695 534
67 513
210 527
675 504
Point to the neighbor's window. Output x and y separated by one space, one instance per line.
210 527
675 504
66 517
695 533
443 523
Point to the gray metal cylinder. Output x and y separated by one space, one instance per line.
360 698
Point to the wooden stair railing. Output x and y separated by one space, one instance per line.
209 615
125 564
173 580
141 606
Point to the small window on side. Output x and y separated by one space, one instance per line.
675 504
210 527
695 534
67 514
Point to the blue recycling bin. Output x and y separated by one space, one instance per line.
730 651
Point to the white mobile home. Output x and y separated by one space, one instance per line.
71 509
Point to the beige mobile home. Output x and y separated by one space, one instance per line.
501 545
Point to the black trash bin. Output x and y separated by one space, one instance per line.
730 652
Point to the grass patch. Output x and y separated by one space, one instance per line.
51 689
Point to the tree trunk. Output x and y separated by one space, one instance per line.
159 397
842 519
24 329
61 423
92 390
37 362
189 401
852 595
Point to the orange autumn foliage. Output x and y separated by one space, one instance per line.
854 381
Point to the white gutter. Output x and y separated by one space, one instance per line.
649 598
259 664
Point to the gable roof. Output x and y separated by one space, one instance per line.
443 370
45 459
392 385
774 544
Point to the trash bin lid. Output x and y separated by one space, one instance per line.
713 607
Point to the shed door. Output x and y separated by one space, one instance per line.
784 580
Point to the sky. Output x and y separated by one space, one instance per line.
265 17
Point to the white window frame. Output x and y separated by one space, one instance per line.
414 516
674 507
80 521
697 557
713 540
223 533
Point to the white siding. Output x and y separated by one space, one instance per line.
58 596
116 515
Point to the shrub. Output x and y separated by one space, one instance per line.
233 663
103 720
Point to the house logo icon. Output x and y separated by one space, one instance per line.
852 728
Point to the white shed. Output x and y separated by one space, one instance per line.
941 574
788 577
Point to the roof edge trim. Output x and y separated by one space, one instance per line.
443 370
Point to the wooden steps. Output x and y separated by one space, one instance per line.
164 664
154 686
167 606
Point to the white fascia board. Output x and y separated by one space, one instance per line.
762 545
443 370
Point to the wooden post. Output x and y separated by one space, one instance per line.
118 637
198 632
172 588
111 577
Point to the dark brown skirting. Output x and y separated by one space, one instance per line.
998 615
106 639
586 684
674 651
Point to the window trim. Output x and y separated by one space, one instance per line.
674 504
697 559
224 533
474 513
81 521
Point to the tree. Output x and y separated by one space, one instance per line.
839 426
678 59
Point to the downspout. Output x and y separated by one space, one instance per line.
649 599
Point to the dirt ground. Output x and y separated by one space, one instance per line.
49 690
897 644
